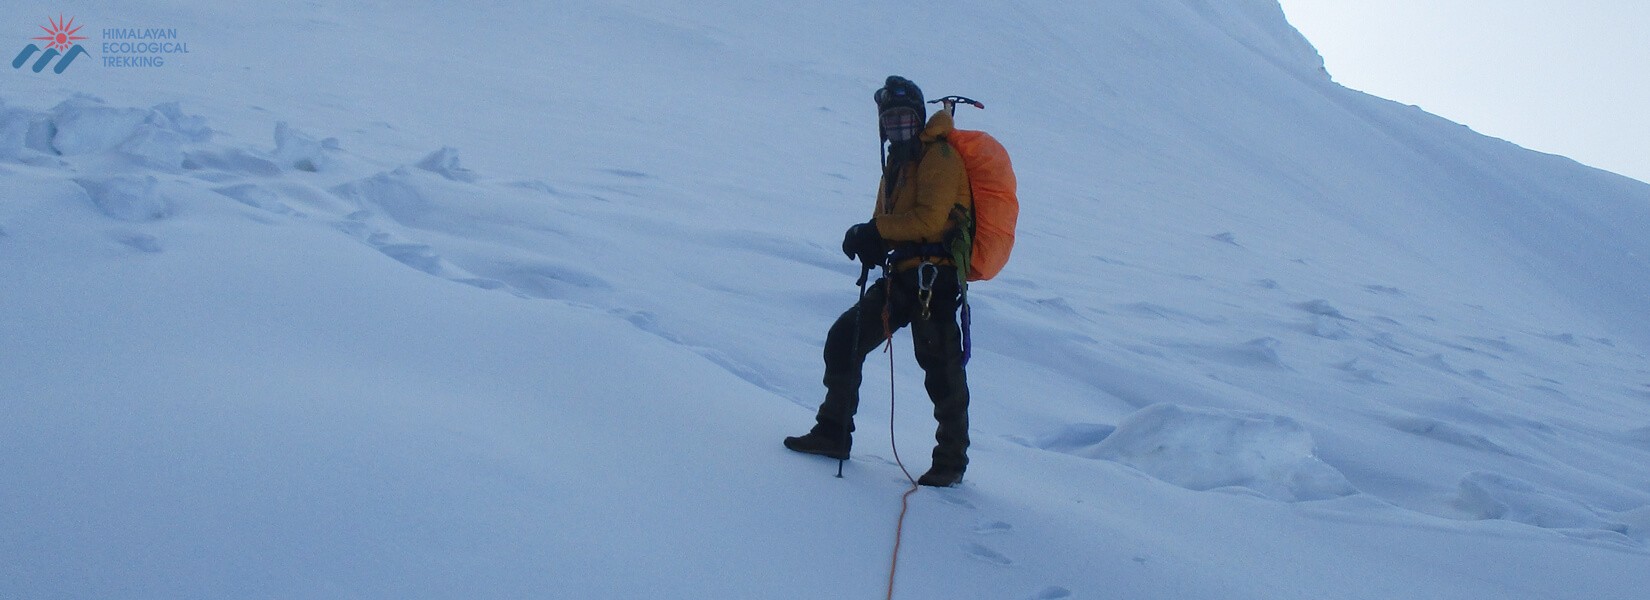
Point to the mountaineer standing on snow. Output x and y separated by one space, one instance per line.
922 202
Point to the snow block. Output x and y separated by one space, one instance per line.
395 192
155 147
41 132
14 132
1206 449
127 198
444 162
1487 495
170 117
84 125
298 150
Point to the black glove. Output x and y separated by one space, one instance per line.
864 241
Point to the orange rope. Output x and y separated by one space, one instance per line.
904 504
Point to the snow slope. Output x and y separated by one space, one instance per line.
362 299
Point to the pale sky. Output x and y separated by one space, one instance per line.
1569 77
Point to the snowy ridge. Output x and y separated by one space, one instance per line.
1262 337
1260 26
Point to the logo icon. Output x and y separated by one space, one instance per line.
60 40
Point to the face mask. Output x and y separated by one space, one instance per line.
900 124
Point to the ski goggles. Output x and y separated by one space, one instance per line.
900 123
895 95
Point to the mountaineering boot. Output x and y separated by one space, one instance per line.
834 445
941 476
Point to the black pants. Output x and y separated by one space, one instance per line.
938 346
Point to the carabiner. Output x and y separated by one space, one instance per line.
927 274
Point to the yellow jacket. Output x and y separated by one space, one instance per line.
925 194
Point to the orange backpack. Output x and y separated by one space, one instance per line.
982 246
990 235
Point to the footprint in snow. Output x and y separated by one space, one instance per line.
878 458
955 500
537 186
784 248
486 284
1322 308
1568 339
1358 373
1055 306
1499 343
627 173
1052 592
992 527
984 554
142 242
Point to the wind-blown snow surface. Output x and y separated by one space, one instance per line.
368 300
